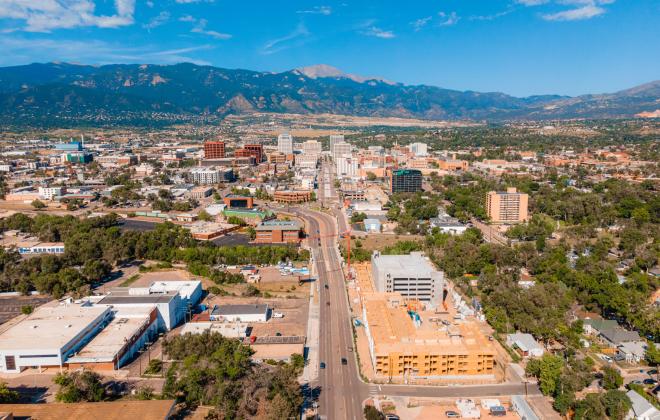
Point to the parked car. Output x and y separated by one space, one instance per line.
652 371
391 417
322 365
344 361
650 381
452 415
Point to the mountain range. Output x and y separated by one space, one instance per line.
67 92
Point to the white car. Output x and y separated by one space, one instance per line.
278 315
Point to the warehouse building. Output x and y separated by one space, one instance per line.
241 313
50 335
174 300
411 275
118 343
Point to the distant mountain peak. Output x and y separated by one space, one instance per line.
324 70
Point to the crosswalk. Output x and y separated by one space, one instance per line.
374 390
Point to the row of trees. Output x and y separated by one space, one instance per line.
93 246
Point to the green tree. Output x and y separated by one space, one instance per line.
8 396
590 408
38 204
612 379
27 309
203 215
79 386
372 413
617 404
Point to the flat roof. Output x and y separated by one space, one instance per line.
124 298
127 323
50 326
184 288
279 225
257 309
415 265
114 410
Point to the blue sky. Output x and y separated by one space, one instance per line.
520 47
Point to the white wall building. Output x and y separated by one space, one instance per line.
341 150
48 193
411 275
49 335
312 147
419 149
335 139
240 313
347 167
285 143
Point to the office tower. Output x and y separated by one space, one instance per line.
405 180
341 149
419 149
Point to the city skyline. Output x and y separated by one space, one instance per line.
521 47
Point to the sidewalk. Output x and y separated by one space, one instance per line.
311 370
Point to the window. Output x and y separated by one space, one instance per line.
10 362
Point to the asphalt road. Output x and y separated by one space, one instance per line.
339 391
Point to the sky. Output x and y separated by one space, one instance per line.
519 47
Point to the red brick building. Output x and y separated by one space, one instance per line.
278 232
214 150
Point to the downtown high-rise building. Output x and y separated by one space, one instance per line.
334 139
285 143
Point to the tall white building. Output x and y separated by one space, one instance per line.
419 149
334 139
347 166
341 150
312 147
285 143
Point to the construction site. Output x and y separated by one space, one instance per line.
404 339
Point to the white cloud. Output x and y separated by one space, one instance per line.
580 13
187 18
317 10
20 50
157 21
47 15
491 17
379 33
582 9
193 1
449 19
292 39
531 2
420 23
200 28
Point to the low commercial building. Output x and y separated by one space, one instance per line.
241 313
230 330
278 231
199 193
234 201
119 342
173 300
252 216
48 193
372 225
120 409
206 231
291 196
50 335
28 245
413 276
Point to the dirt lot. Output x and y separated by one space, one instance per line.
282 286
428 409
379 241
294 321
